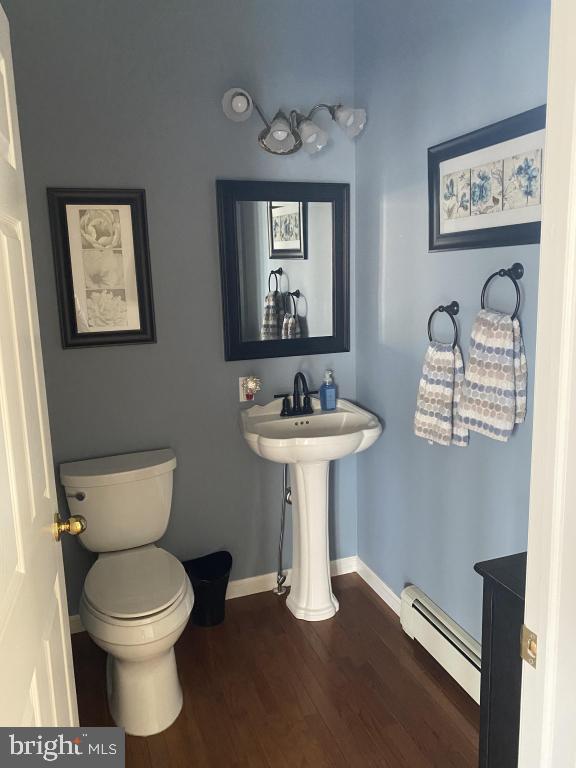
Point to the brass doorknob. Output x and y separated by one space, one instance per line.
74 525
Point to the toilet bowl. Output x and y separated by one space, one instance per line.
137 598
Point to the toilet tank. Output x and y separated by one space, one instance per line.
125 499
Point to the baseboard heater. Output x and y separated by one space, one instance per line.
448 643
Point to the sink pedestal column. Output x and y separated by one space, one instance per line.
310 595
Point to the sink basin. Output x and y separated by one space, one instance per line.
308 443
320 436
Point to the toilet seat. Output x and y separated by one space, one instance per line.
138 631
134 584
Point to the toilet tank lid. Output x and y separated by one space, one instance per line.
110 470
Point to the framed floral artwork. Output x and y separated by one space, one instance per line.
288 224
102 262
485 188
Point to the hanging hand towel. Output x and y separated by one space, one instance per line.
494 391
436 418
271 322
290 326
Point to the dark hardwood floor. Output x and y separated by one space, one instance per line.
266 690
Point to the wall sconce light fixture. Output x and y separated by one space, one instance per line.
286 134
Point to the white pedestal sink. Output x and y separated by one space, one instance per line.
309 443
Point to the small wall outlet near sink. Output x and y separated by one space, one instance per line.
247 388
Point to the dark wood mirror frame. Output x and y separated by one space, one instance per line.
229 192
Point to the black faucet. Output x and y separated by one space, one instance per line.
299 407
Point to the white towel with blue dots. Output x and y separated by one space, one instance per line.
494 392
436 419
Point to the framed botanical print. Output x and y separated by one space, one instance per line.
288 230
485 188
102 262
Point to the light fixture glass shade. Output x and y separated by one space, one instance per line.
313 137
279 138
280 128
352 121
237 104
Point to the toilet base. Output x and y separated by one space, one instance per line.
144 693
144 696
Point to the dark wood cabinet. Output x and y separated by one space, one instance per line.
502 619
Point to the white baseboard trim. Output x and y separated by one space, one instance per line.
267 581
254 584
382 590
344 565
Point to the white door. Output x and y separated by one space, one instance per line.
36 673
548 720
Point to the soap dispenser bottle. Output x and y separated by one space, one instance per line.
328 392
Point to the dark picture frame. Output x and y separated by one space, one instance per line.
102 265
512 234
279 250
231 191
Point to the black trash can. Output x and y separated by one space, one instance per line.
209 576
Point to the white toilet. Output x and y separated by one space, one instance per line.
137 597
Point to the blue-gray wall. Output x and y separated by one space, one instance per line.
127 94
428 72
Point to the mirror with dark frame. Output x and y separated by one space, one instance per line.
284 261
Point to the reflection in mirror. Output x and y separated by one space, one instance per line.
284 267
285 255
